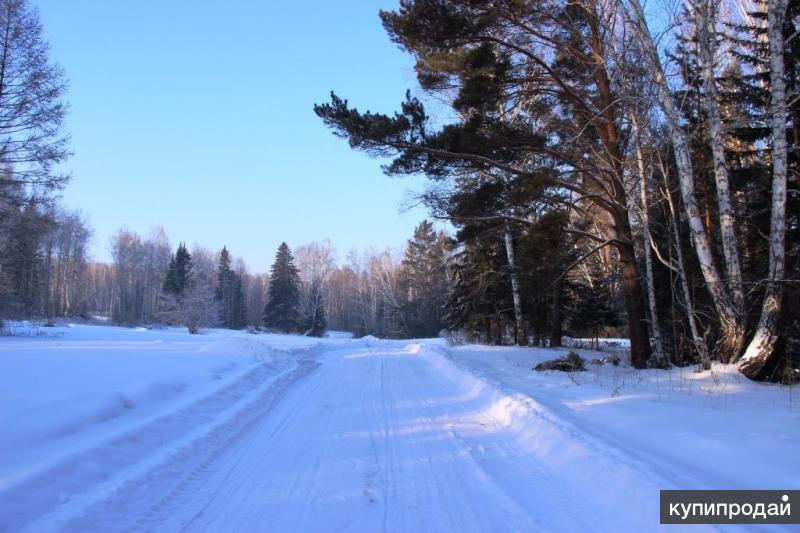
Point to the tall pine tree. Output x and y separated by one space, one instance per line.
281 312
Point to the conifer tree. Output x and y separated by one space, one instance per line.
179 274
423 281
226 286
534 87
239 313
591 312
281 311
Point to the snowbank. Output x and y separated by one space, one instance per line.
621 434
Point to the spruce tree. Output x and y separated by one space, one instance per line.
281 312
423 281
179 274
592 311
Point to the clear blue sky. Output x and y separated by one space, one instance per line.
198 116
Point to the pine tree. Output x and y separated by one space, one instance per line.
512 116
179 274
281 311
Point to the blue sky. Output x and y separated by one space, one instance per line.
197 116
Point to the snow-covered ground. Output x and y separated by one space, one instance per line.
117 429
696 430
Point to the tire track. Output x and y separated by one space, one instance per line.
114 504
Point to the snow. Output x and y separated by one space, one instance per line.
69 391
694 430
123 429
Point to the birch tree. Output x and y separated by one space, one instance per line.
705 24
762 346
732 332
658 345
519 321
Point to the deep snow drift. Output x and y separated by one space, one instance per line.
118 430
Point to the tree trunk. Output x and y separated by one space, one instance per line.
632 290
697 339
519 333
608 129
731 340
646 238
762 347
706 32
555 315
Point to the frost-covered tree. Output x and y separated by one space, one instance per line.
138 272
315 321
198 308
315 263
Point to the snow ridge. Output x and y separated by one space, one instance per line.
593 474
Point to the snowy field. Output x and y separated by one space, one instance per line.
114 429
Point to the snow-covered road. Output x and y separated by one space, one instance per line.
370 438
156 430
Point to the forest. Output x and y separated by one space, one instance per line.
602 172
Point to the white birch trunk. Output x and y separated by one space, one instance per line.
655 327
697 339
521 336
762 346
705 18
731 330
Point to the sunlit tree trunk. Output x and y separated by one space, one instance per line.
705 17
731 341
762 346
658 344
697 340
519 334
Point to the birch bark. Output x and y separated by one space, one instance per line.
519 321
646 238
706 32
731 341
762 347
